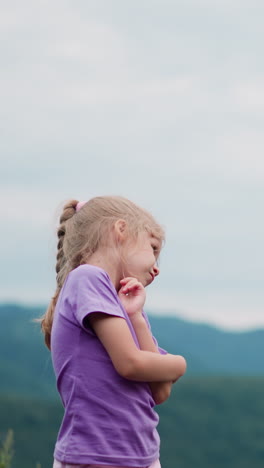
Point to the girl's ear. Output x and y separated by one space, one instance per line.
120 229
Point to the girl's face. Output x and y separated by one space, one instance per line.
140 258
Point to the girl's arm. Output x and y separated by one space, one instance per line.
160 390
132 295
129 361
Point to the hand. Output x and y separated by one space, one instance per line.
132 295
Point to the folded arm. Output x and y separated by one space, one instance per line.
160 390
132 294
133 363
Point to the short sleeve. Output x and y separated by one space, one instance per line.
161 350
93 291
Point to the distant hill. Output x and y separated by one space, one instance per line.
25 364
210 350
208 422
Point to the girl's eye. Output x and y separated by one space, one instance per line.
155 249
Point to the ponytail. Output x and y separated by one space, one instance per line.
46 321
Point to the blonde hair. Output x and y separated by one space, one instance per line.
80 233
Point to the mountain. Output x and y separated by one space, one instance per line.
25 363
208 422
210 350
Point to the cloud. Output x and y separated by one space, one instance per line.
164 107
228 310
250 96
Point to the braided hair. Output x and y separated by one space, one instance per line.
46 322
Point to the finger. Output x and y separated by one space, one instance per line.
132 282
132 285
127 279
132 291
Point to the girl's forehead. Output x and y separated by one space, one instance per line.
146 235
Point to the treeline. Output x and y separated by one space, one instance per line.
208 422
25 363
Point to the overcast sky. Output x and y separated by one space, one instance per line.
161 101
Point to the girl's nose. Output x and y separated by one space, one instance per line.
156 270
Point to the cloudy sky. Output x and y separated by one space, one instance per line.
161 101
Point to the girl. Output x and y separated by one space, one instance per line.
110 372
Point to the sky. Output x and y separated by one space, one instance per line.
160 101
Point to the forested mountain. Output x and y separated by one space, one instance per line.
214 417
25 364
210 350
208 422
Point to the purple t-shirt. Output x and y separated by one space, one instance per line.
108 419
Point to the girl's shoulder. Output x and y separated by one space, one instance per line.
88 271
89 277
89 289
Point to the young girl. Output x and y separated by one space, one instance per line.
110 371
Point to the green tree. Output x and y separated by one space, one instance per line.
6 450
